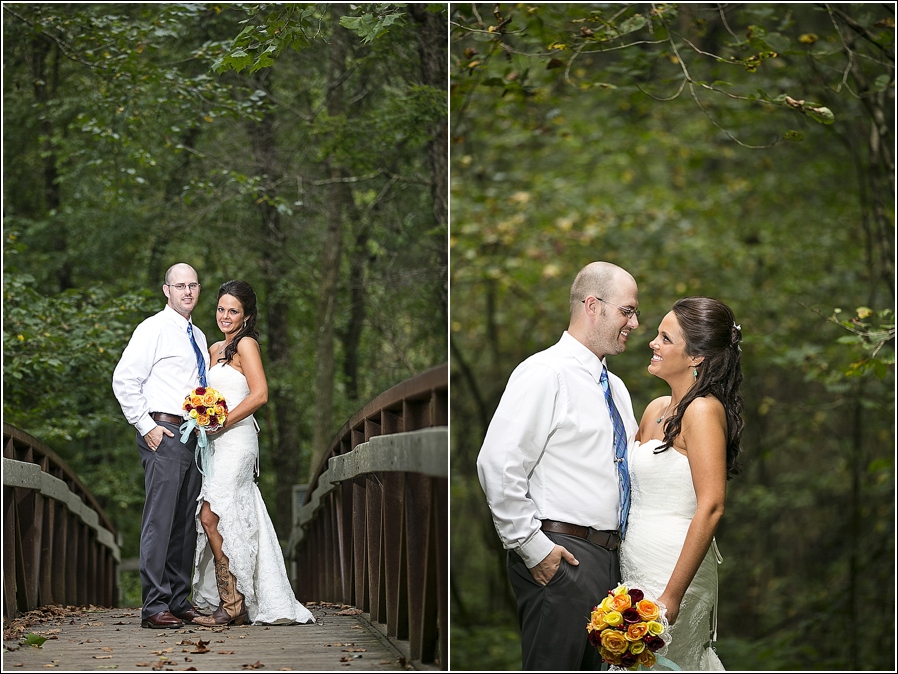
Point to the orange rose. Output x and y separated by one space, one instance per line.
195 400
614 641
203 420
646 658
636 631
620 602
210 399
648 610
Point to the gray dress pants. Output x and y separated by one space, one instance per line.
553 617
168 530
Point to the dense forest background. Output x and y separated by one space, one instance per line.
741 151
301 147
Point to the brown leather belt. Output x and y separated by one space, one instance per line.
167 418
610 540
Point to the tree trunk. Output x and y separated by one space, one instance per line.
46 77
331 254
434 73
285 450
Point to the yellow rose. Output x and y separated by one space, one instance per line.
637 647
637 631
210 399
648 610
194 414
620 589
614 641
620 602
608 656
613 618
646 658
597 621
219 410
655 628
606 604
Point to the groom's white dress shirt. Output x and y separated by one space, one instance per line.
549 450
158 369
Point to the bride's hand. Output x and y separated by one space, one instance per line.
673 608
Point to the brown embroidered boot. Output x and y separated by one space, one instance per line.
231 610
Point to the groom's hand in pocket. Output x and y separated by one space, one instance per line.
154 437
545 571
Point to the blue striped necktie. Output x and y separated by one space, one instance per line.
200 361
620 452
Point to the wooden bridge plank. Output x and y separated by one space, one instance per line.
113 639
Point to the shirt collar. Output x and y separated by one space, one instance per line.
178 319
584 356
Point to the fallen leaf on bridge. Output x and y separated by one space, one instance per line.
350 611
226 652
201 647
255 665
167 650
355 650
102 657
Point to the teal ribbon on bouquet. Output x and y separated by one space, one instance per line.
665 663
203 454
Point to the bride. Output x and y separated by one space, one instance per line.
239 567
686 449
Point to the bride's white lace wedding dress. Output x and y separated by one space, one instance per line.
662 506
249 539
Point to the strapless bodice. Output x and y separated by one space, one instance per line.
229 382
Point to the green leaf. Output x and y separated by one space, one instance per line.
820 113
882 82
35 640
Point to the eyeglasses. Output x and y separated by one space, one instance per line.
181 286
629 312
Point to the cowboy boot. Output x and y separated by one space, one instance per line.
231 610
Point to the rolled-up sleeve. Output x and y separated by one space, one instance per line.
531 408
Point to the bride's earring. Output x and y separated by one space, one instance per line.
694 374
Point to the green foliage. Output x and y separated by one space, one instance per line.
35 640
59 352
257 46
375 20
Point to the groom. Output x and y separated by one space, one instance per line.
165 359
554 474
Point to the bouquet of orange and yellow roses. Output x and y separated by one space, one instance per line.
629 630
206 411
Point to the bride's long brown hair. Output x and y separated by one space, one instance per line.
243 292
709 329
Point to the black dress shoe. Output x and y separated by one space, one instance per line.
189 615
160 621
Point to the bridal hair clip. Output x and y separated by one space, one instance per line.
738 327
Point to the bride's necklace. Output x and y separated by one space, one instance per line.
661 418
221 351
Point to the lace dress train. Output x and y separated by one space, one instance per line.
249 540
662 506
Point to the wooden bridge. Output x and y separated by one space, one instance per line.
368 555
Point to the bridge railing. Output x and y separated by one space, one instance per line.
373 532
58 545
